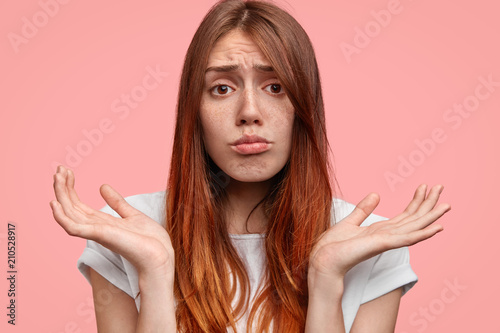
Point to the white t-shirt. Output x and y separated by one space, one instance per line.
364 282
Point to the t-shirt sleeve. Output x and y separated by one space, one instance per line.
383 273
390 271
108 264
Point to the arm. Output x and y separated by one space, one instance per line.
378 315
136 237
346 244
324 310
113 312
119 313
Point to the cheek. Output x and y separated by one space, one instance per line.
211 117
282 119
288 121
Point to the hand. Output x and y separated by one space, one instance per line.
346 244
135 236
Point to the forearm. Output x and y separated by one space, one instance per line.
324 311
157 311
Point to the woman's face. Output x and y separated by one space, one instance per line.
246 116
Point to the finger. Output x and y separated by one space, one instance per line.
60 186
363 209
117 202
426 220
71 186
62 183
63 220
77 204
421 235
92 231
430 201
61 192
74 196
418 198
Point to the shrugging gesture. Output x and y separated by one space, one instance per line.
136 237
347 244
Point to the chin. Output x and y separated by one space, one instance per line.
251 179
251 176
252 171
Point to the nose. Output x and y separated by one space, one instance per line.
249 109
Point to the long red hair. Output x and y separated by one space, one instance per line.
298 205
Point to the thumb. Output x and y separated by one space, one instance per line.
117 202
363 209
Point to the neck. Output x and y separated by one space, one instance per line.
242 199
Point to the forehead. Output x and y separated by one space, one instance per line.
238 48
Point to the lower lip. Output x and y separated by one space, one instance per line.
251 148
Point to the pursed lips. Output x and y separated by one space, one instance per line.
250 144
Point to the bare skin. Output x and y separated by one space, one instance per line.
243 98
147 246
347 243
137 238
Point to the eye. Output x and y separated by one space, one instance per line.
274 88
221 89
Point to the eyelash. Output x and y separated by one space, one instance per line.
212 89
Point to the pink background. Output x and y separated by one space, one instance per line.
67 77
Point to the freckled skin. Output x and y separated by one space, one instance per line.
248 104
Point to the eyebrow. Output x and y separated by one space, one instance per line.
234 68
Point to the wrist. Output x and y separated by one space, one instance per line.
153 278
324 309
328 285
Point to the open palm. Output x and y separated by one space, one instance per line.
347 243
135 236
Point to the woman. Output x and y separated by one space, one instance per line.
244 238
